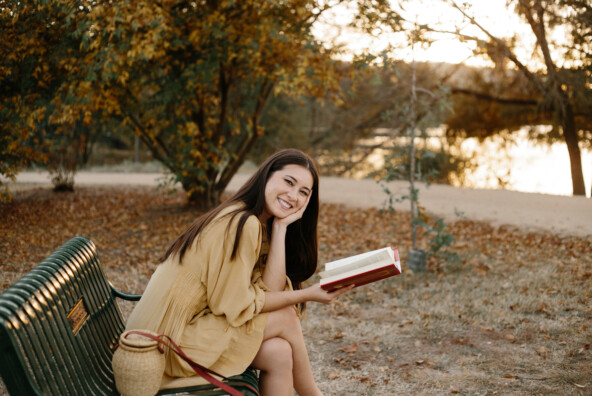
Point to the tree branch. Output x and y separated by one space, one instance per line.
508 52
538 29
250 139
154 143
224 82
491 98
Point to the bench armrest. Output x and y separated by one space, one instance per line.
124 296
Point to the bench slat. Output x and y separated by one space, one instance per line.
87 356
64 346
94 331
50 348
98 330
15 363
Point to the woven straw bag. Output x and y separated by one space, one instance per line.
138 364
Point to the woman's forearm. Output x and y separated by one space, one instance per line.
274 275
275 300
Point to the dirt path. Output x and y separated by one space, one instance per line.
557 214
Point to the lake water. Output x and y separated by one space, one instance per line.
518 165
524 166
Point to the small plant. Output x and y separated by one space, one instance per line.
435 231
425 113
434 227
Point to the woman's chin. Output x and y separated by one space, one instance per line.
281 214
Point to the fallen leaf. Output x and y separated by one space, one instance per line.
334 374
350 349
542 352
341 361
372 341
132 254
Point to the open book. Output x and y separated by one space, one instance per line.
361 269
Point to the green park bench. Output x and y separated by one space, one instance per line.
59 324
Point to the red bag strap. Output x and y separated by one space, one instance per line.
199 369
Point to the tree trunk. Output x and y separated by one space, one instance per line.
571 140
205 199
562 104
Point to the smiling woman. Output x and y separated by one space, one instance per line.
287 191
228 290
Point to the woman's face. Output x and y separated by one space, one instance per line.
286 191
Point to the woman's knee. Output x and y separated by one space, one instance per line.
275 354
289 318
283 323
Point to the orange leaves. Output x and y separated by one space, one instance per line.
510 338
118 223
466 332
351 349
542 352
181 75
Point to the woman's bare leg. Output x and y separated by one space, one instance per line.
284 325
274 359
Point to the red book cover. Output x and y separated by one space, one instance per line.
361 269
363 278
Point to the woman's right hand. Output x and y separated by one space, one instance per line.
318 294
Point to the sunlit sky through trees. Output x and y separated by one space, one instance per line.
534 168
494 15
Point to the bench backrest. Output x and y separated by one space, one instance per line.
58 325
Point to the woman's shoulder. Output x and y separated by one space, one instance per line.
230 216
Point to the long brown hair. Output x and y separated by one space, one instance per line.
301 236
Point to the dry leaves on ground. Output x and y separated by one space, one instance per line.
512 314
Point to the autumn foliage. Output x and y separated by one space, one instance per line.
192 79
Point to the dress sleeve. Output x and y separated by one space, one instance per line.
229 289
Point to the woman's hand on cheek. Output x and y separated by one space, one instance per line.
294 216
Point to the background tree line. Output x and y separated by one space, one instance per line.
206 84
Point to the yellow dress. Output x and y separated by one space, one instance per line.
210 305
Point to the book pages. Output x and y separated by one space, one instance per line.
377 257
358 271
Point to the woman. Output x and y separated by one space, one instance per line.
227 290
